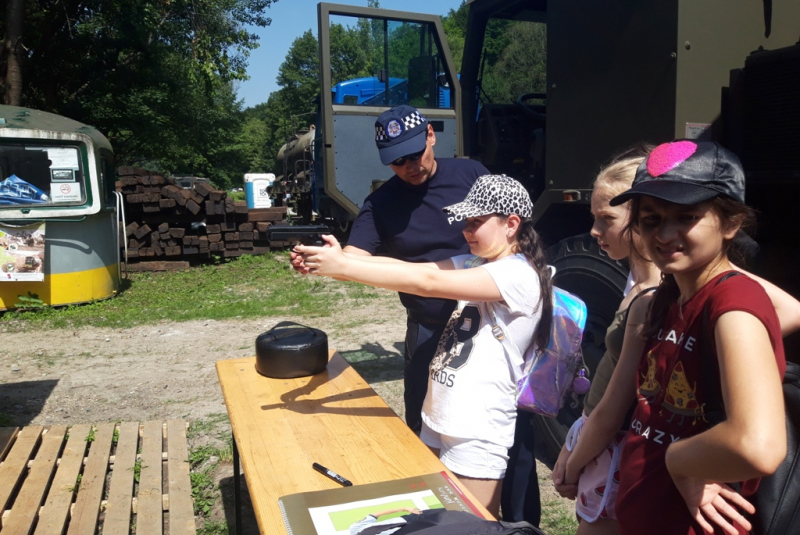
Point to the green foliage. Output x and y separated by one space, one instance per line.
204 492
356 50
200 455
247 287
137 470
514 56
252 140
557 519
214 528
455 28
520 64
6 420
204 426
29 301
298 74
352 51
204 461
77 486
155 76
237 195
298 79
90 437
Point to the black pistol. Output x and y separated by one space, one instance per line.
305 234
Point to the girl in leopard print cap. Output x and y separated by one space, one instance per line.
504 291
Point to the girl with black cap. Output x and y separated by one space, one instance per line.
687 205
504 291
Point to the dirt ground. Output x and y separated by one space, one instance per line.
167 371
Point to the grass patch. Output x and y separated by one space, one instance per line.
556 519
204 459
44 358
246 287
214 528
207 424
205 492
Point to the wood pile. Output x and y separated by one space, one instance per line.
169 225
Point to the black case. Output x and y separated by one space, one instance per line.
291 350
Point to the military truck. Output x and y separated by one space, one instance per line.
603 76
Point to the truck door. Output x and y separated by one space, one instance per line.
402 58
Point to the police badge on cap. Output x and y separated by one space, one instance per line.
399 132
394 129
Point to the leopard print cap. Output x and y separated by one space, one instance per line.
493 194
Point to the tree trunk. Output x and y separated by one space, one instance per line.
15 10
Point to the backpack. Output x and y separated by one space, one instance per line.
447 522
777 500
549 372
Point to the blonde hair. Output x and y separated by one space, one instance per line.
618 175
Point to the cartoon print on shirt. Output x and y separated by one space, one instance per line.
465 330
680 396
650 387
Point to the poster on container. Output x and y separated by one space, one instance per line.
22 253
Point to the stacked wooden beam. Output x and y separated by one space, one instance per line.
172 224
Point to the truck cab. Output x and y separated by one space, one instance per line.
548 92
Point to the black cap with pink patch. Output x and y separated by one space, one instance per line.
687 172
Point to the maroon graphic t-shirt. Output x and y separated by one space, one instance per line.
671 403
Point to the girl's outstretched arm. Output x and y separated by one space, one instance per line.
609 414
751 442
427 280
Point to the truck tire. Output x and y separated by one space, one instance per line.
585 270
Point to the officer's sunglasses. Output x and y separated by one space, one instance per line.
410 157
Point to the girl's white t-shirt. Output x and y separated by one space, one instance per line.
474 396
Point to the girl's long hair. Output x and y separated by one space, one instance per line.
530 245
731 213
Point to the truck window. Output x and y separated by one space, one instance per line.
32 175
513 61
383 62
511 105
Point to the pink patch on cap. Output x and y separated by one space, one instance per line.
668 156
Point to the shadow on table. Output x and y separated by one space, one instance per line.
298 400
22 402
249 522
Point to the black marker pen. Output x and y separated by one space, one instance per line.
331 474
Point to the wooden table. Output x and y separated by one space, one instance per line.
334 418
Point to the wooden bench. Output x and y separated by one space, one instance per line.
81 480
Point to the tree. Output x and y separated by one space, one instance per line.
515 55
298 75
293 107
10 56
356 51
153 75
455 29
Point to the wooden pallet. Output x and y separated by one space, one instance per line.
81 480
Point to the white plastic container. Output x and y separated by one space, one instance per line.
256 192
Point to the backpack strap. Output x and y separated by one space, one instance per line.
637 296
714 409
629 414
